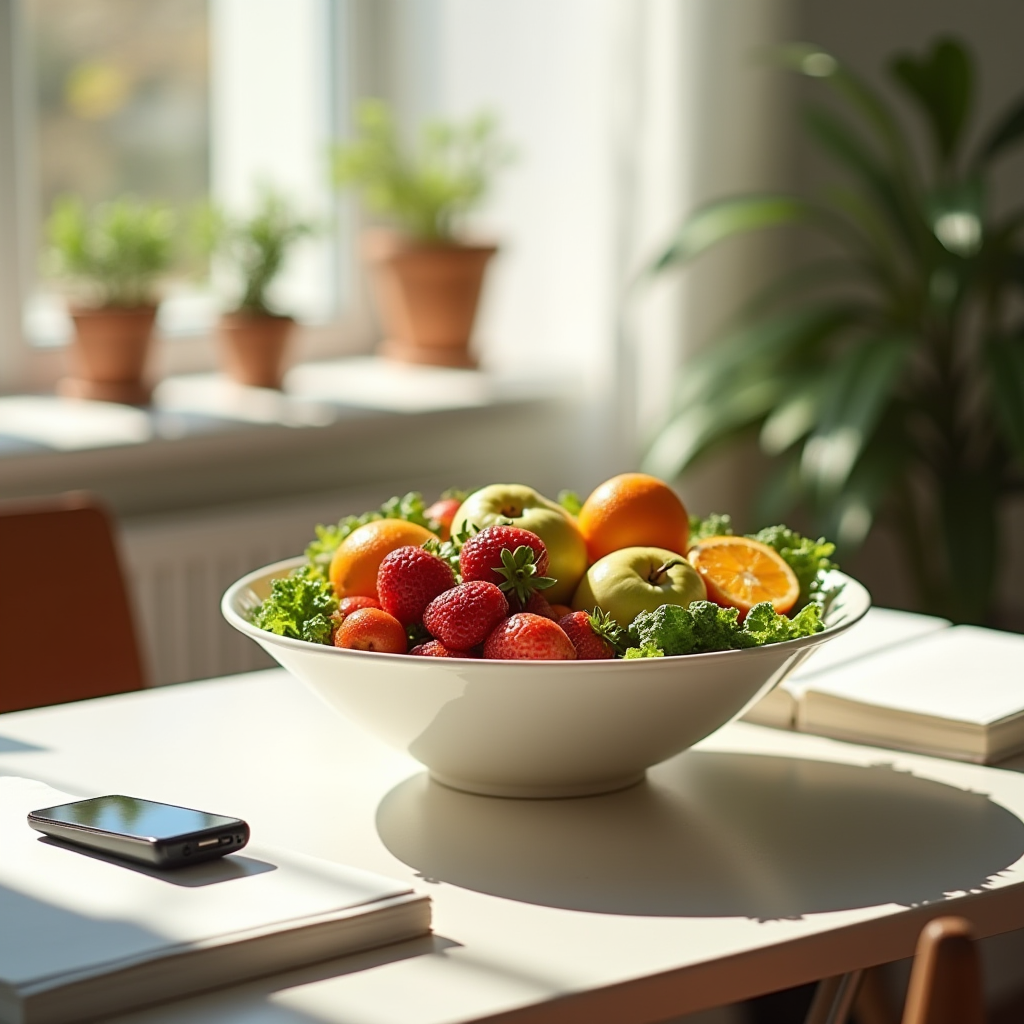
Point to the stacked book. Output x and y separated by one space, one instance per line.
910 682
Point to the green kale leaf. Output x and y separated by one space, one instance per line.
299 606
809 559
718 524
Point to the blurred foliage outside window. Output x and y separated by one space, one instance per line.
120 103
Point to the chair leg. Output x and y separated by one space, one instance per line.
834 999
945 982
874 1003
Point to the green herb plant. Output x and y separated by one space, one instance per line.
116 252
256 247
427 188
886 377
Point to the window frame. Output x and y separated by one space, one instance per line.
355 30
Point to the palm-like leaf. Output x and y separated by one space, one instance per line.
878 396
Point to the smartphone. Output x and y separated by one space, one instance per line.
160 835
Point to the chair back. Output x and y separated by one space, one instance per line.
66 628
945 982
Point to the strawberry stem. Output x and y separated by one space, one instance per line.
519 570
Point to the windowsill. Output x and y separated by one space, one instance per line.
206 441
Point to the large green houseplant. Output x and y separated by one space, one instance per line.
427 276
111 258
885 376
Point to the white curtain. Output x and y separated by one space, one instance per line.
626 114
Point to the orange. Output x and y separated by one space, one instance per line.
633 510
740 572
354 566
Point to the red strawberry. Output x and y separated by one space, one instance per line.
371 629
436 649
480 558
538 604
514 559
463 617
443 512
590 634
408 579
529 636
347 605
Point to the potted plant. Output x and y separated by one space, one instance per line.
113 257
253 337
427 278
885 377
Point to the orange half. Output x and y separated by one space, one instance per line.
739 573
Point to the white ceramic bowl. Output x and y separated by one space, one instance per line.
536 728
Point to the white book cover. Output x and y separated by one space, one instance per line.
959 691
71 919
880 629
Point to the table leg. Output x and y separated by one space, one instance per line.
834 999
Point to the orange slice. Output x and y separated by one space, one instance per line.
739 573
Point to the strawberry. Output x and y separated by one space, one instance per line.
443 512
513 559
347 605
526 635
371 629
436 649
538 604
593 634
463 617
408 579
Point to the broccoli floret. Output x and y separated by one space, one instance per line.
702 627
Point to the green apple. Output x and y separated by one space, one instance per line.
633 580
522 506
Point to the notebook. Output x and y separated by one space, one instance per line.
83 936
881 628
957 693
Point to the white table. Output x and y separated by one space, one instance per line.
760 860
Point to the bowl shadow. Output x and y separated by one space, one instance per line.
712 834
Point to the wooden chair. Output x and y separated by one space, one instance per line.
945 982
66 629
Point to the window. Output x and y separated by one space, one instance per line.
170 100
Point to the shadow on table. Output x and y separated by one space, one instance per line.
713 835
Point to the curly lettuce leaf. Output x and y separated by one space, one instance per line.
410 507
809 559
299 606
717 524
767 626
646 651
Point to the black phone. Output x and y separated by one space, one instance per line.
161 835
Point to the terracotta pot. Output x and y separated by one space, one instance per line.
253 347
427 295
109 353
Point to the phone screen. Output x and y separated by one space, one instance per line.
143 819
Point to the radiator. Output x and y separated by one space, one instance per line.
178 568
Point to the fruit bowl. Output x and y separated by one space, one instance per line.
536 728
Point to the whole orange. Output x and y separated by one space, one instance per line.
353 570
633 510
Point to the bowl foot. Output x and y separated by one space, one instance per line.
554 791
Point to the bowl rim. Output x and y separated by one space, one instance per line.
231 597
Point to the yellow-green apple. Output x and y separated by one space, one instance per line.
522 506
633 580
